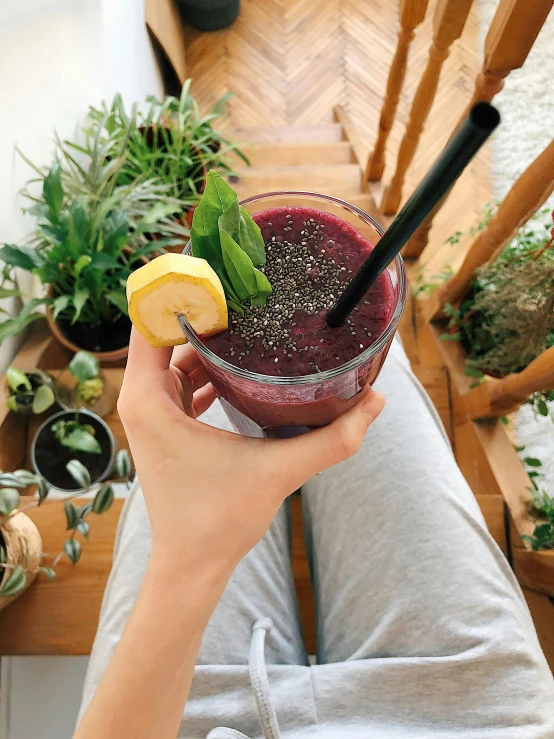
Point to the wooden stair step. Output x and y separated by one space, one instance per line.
335 179
297 153
365 202
320 133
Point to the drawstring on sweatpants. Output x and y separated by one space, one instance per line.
260 687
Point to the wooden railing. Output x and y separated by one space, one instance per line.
499 397
412 13
496 397
513 30
448 23
526 196
509 40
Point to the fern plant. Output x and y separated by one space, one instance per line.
170 142
507 319
90 234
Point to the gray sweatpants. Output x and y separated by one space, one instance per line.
422 628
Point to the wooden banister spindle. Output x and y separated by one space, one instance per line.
526 196
514 28
498 397
448 23
412 13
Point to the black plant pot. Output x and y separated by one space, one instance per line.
209 15
49 457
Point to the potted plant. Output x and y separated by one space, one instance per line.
541 510
171 142
73 435
90 234
209 15
28 392
21 555
83 385
507 318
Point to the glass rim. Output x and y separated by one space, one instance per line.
317 377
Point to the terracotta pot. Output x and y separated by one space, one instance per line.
103 357
23 544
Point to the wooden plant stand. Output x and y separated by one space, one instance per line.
57 618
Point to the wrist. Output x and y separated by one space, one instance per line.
177 574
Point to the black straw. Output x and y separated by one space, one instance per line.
483 118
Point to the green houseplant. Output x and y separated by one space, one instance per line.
83 384
73 435
21 555
170 142
541 509
90 234
28 392
507 318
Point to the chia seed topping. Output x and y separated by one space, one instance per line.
306 266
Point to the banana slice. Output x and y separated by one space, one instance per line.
173 284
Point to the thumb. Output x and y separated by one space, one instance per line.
305 456
144 359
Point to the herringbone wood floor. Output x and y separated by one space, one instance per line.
290 61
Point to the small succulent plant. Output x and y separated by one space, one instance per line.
28 392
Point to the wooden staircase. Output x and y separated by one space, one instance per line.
319 158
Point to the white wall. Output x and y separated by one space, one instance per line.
56 57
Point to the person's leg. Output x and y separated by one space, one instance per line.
409 579
261 586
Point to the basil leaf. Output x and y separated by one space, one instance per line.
230 292
239 268
225 235
237 307
264 289
250 238
229 220
204 234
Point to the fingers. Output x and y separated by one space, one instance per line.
145 359
203 399
199 378
306 455
185 358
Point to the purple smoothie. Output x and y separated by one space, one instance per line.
311 256
283 370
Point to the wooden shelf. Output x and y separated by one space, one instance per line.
60 618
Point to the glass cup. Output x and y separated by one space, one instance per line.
266 406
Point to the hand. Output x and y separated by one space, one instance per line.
211 494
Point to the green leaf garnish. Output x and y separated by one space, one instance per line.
225 235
